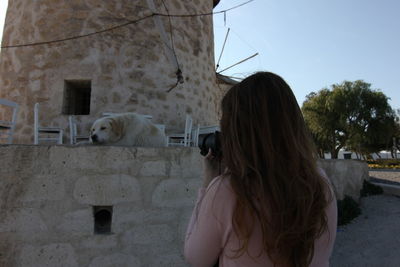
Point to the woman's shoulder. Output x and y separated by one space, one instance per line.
327 180
220 183
220 200
323 174
220 187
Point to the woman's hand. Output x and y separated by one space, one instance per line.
211 167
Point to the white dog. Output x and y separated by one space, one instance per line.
126 129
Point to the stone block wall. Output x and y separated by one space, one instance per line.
49 195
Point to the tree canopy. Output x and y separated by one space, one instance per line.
350 115
396 138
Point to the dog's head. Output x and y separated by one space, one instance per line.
106 131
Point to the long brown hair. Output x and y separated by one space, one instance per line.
271 161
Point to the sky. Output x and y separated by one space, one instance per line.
312 44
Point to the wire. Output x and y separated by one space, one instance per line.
79 36
171 33
179 76
206 14
234 7
124 25
248 44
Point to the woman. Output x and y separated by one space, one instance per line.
272 206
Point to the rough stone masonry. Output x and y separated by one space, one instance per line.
128 69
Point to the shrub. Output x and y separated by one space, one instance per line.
348 209
384 164
370 189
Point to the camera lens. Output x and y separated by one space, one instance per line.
210 141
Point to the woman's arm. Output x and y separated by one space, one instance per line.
203 236
211 223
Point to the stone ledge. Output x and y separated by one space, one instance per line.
347 176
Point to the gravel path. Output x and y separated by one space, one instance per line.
373 238
385 176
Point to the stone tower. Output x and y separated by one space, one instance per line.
90 69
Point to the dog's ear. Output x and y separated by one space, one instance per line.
117 127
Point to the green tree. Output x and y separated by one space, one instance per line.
323 122
351 115
396 138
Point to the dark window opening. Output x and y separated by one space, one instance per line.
102 219
77 97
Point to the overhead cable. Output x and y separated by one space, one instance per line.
123 25
179 75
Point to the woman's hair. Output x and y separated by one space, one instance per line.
271 160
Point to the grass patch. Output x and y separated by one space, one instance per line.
370 189
348 209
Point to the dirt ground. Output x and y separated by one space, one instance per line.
373 238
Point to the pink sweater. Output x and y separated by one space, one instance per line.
210 234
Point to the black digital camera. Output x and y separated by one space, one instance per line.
213 141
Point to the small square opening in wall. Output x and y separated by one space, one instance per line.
77 97
102 219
